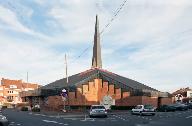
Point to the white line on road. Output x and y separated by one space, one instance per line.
49 121
119 117
37 114
188 117
88 119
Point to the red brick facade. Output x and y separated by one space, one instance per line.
10 89
93 93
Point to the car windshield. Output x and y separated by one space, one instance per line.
98 107
148 107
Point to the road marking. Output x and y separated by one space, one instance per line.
188 117
88 119
18 124
37 114
49 121
120 117
55 122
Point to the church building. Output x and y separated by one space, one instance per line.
97 86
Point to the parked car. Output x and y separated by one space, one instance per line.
97 110
189 105
180 106
143 110
166 108
3 121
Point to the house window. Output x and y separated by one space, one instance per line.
10 97
10 92
190 95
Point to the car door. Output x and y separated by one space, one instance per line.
138 109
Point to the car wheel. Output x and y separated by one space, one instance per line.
90 116
153 114
140 113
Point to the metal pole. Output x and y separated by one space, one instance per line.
66 69
85 108
27 79
67 80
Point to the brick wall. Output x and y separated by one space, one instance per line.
165 101
93 93
150 100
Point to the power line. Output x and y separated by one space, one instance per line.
115 14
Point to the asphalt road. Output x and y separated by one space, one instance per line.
179 118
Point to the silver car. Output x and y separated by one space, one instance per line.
97 110
143 110
3 121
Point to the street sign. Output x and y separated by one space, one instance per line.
107 101
64 94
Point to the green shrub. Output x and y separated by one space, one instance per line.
24 108
35 109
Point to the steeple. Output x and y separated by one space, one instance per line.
96 59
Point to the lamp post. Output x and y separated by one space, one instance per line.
67 80
85 107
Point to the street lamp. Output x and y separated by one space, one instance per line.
85 106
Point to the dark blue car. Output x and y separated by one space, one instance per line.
166 108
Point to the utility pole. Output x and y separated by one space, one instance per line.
27 76
27 79
66 74
67 80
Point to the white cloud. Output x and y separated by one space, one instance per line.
11 23
11 20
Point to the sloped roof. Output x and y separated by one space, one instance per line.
182 91
88 75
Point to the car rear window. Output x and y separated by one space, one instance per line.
148 107
138 107
98 107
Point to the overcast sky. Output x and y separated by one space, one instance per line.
150 41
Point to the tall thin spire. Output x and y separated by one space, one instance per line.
96 59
